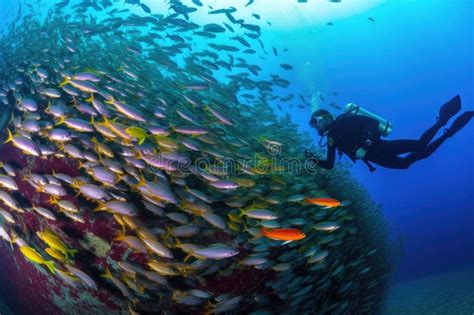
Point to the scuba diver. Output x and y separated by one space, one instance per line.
357 133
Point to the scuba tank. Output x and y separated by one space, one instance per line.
385 127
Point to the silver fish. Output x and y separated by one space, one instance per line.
158 248
86 279
94 192
326 226
216 251
260 214
120 207
29 104
8 182
51 92
25 144
60 135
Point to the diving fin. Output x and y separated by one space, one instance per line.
449 109
459 123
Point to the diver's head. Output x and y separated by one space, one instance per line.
321 120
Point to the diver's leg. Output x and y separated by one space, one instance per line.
396 147
390 161
380 155
426 152
398 162
429 134
457 125
384 154
448 110
383 158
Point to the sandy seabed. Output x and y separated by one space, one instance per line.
450 293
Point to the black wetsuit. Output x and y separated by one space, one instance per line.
349 132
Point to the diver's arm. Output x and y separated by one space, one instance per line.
331 157
329 162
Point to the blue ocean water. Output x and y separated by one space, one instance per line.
403 65
418 56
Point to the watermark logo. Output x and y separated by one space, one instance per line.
258 164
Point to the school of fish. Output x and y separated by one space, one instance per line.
171 127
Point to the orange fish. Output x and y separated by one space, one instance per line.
326 202
287 235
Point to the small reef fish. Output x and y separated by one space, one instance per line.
326 202
285 234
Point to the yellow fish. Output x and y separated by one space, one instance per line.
56 255
102 148
243 182
32 255
166 143
54 242
235 217
137 132
259 171
233 226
